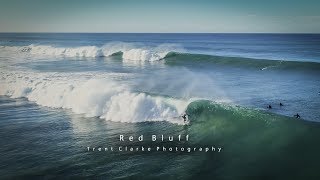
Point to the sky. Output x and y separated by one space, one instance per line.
161 16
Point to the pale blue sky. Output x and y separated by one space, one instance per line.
275 16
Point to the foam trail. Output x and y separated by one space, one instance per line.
48 50
82 51
94 97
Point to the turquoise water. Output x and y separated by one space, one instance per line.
62 93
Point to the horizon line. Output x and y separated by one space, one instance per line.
161 32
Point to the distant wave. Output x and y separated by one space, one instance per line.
129 51
94 97
172 54
187 59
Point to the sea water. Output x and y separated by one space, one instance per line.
63 93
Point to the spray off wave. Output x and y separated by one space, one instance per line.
93 97
129 51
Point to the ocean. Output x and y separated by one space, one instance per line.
63 94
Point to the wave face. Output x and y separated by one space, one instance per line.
94 97
228 123
129 51
261 140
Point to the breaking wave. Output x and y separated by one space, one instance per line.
93 97
129 51
96 96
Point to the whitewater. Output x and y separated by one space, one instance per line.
91 95
96 96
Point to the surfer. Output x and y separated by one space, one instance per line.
269 107
297 116
281 104
184 116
